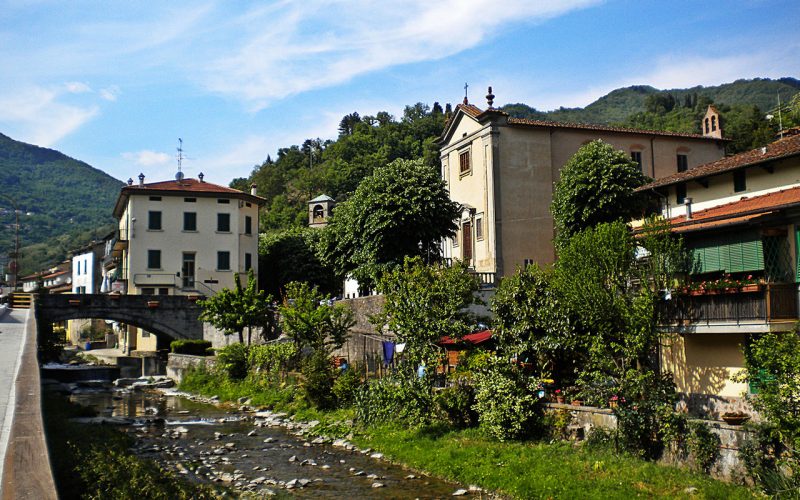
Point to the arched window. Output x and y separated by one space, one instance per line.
707 127
713 123
319 213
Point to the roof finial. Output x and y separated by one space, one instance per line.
490 98
141 179
466 86
200 176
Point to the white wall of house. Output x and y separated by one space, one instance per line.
83 267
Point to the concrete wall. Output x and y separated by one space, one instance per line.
179 364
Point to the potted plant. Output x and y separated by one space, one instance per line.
152 304
735 418
559 396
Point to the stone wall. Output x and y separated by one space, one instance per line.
728 467
179 364
365 345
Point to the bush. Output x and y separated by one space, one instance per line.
272 358
346 386
318 380
194 347
232 360
454 405
400 397
703 446
646 398
771 462
505 401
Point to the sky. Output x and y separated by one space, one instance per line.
115 83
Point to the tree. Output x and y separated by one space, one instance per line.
425 303
402 209
234 310
291 255
309 319
596 185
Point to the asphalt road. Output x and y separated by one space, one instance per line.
12 341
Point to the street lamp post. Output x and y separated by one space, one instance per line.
14 262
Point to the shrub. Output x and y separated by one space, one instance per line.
232 360
272 358
646 397
505 401
770 461
346 386
454 404
318 380
703 446
400 397
556 423
194 347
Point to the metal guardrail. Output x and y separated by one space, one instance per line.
774 302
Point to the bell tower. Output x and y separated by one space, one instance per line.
711 123
320 210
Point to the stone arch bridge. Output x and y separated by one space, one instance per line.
169 317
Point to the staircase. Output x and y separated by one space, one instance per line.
21 300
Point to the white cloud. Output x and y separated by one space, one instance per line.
292 48
147 158
77 87
109 93
35 115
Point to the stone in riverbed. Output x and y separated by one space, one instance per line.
293 458
460 492
376 456
252 433
378 485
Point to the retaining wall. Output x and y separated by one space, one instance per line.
179 364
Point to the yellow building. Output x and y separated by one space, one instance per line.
183 237
740 216
502 170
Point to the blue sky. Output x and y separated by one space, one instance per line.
116 83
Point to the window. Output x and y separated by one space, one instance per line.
154 259
155 198
223 223
148 291
248 204
708 129
163 291
79 268
190 221
464 162
248 261
739 181
683 163
154 220
527 262
190 200
680 193
636 156
224 201
713 123
479 227
223 261
248 224
466 238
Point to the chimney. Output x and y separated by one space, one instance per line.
254 189
688 204
141 179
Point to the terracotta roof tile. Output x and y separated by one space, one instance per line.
604 128
738 211
186 185
782 148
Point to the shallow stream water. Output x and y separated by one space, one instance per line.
207 443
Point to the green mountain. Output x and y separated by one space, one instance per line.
57 196
620 104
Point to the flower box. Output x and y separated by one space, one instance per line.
152 304
577 402
756 287
193 298
114 296
74 302
735 418
560 399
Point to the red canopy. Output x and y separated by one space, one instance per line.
473 338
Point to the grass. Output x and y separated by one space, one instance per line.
516 469
538 470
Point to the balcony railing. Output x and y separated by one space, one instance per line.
772 302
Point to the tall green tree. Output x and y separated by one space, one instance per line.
425 303
596 185
402 209
233 311
311 321
291 255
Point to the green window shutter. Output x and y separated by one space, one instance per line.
797 251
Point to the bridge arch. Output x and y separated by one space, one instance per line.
169 317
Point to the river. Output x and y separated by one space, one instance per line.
207 443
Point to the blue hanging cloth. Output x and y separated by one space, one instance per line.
388 352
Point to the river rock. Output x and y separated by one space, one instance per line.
252 433
411 476
258 480
269 440
376 456
378 485
319 440
293 458
230 446
460 492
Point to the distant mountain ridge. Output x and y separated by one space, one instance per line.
620 104
57 194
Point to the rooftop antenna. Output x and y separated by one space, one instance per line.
179 175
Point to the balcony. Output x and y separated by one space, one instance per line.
775 302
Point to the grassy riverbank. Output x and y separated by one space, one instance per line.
94 462
516 469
